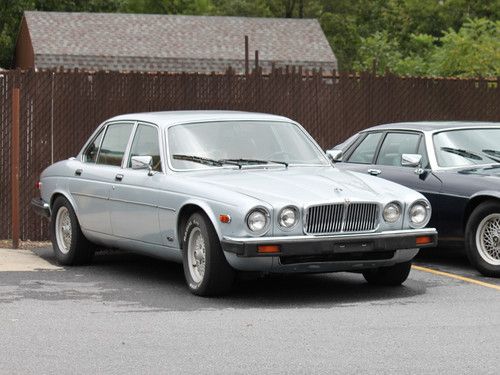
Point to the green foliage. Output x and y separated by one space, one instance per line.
408 37
472 51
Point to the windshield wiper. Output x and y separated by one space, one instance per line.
198 159
463 153
493 154
255 161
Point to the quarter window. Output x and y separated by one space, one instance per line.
146 143
365 151
92 150
395 145
114 144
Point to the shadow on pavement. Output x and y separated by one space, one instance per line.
145 284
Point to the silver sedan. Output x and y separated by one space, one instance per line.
224 192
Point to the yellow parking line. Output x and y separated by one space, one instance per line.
458 277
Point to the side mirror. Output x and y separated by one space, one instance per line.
411 160
334 155
142 162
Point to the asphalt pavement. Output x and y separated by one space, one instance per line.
131 314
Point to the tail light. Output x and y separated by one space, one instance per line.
38 185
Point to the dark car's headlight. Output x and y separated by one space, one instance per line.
392 212
288 217
419 214
258 220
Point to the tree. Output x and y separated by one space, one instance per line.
472 51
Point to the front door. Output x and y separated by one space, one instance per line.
135 194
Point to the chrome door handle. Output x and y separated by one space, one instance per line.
78 172
374 172
119 177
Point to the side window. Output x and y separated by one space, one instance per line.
365 151
396 144
90 154
114 144
145 143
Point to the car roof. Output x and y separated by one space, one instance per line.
432 126
169 118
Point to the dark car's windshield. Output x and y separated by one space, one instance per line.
457 148
206 145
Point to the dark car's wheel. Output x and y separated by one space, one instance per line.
206 269
482 238
70 245
388 276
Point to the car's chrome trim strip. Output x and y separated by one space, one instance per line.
89 195
337 237
125 201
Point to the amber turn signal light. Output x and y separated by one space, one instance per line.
225 218
267 249
423 240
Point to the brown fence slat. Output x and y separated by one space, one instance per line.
60 109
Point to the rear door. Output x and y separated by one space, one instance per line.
95 174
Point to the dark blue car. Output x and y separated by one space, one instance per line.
456 165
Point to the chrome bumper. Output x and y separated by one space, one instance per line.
40 207
332 244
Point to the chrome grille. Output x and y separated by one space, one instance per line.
342 217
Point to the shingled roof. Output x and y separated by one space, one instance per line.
105 41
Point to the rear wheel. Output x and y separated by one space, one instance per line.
482 238
69 244
206 269
388 276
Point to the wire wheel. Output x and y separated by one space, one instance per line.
488 239
63 230
196 255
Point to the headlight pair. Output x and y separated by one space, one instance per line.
419 213
258 219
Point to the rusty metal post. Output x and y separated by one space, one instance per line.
15 168
247 67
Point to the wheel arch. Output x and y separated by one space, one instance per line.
61 193
187 210
478 198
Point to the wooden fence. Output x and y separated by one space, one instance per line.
59 110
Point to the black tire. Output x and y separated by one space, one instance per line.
218 276
472 230
80 250
388 276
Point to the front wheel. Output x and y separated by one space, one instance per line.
70 245
482 238
388 276
206 269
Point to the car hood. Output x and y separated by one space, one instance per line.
305 185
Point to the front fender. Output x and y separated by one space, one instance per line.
486 193
208 211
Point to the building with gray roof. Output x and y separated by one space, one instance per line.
173 43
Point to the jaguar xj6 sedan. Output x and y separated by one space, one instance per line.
456 165
224 192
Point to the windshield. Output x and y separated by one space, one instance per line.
458 148
214 144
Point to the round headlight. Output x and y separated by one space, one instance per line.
419 213
257 220
392 212
288 217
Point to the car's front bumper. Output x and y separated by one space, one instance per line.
362 243
40 207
